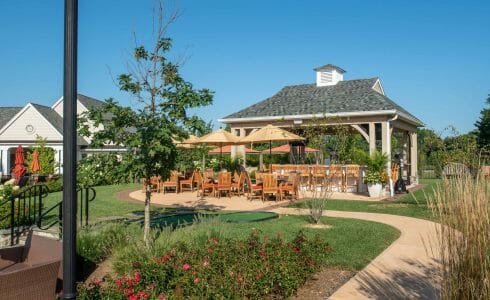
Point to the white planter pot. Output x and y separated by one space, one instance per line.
374 189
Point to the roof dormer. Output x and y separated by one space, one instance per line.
328 75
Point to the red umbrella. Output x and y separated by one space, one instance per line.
35 166
19 169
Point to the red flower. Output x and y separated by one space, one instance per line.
137 276
196 280
186 267
205 263
132 297
214 240
151 286
162 297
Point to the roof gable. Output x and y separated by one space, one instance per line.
7 113
32 120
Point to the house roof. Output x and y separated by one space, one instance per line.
51 116
308 99
89 102
7 113
330 66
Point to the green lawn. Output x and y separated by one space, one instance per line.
354 242
106 205
411 205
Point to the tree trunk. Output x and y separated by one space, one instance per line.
146 227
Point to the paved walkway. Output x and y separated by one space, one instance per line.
405 270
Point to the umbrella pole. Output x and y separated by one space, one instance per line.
220 156
270 155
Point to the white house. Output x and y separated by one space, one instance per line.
21 126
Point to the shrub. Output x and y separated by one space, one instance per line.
102 169
213 268
96 243
461 205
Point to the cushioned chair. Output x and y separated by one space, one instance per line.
30 271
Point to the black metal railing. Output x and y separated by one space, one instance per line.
26 209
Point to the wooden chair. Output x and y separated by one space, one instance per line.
304 175
172 182
224 183
270 186
351 177
319 176
206 186
254 190
336 177
290 188
237 187
154 184
276 168
188 182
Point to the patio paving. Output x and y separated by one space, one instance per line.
190 200
404 270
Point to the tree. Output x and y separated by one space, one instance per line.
163 98
483 126
45 158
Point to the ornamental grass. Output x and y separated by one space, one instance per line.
462 206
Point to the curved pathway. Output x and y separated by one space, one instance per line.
404 270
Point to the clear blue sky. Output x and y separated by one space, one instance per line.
433 57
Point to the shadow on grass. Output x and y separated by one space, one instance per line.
421 283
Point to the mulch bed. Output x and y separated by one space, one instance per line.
323 284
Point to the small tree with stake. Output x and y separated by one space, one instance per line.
163 98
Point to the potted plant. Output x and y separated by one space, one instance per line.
376 173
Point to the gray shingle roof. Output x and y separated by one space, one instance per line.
7 113
339 69
51 116
305 99
89 102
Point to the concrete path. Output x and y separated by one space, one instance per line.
405 270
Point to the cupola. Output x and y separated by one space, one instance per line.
328 75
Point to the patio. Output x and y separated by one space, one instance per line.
234 203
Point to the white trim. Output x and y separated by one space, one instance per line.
21 112
327 115
14 118
378 81
57 102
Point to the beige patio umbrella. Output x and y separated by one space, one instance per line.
187 143
218 138
270 133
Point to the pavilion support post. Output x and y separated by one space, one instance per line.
414 178
372 138
386 149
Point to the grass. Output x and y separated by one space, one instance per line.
462 207
411 205
106 205
354 242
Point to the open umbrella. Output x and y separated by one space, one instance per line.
35 166
227 150
286 148
270 133
187 143
218 138
19 170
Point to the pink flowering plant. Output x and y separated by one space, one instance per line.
257 267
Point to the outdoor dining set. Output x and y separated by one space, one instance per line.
279 182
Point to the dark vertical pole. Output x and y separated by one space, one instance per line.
70 150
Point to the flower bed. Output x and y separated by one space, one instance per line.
216 268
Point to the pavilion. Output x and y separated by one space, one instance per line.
360 104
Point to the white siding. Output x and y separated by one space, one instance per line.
17 130
59 108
